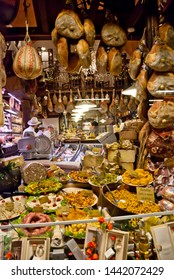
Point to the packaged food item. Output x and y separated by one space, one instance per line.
166 205
168 193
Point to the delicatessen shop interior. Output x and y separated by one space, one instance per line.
86 133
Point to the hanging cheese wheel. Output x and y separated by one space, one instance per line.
27 64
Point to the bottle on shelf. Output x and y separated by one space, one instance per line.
143 242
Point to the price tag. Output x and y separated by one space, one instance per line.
145 194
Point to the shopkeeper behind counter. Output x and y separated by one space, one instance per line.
93 129
30 131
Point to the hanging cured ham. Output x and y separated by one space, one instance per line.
70 105
161 57
84 53
68 24
137 57
59 106
101 60
160 81
103 104
161 114
114 62
166 33
89 30
112 34
141 84
62 52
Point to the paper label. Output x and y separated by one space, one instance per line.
145 194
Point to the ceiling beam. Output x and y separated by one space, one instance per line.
136 14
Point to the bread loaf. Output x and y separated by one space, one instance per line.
114 62
161 114
160 81
84 53
113 35
89 30
62 52
68 24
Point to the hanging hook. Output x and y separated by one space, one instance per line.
26 10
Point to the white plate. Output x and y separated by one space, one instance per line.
19 207
76 190
50 206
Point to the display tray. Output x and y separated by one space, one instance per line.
15 203
44 186
80 198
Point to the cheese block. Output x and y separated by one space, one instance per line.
17 160
127 165
92 160
112 155
127 155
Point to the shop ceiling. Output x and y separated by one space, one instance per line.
131 14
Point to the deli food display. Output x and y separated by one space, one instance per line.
105 184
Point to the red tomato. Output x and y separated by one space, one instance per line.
101 219
113 237
88 251
95 256
110 226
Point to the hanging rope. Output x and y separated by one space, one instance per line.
26 6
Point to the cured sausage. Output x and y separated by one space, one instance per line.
35 218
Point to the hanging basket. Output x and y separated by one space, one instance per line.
27 64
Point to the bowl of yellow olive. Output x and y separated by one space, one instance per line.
122 201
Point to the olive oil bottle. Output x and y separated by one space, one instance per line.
143 242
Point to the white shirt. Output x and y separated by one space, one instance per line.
40 132
29 130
